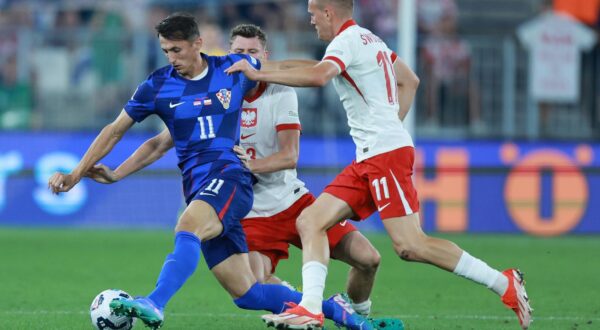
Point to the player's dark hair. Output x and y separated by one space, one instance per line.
178 26
248 31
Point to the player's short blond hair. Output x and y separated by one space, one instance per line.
346 5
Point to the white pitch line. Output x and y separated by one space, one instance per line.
407 317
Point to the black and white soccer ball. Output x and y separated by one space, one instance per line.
102 318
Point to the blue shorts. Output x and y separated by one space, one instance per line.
230 194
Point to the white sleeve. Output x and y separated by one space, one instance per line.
586 38
286 110
528 31
339 52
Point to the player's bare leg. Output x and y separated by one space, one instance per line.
198 222
412 244
262 267
312 225
356 250
235 275
201 219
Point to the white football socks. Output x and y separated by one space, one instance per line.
314 274
363 308
478 271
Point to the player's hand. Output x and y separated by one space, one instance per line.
60 182
246 68
102 174
243 156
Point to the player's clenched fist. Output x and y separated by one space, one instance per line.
60 182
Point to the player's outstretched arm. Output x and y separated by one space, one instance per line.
313 76
102 145
288 64
150 151
408 82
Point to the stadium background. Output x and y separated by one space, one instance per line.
492 159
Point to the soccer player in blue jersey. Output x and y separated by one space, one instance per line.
200 105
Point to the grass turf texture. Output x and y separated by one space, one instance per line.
48 279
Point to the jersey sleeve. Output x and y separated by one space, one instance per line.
339 52
527 32
586 38
247 84
141 104
286 110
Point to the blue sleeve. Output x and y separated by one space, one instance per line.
247 84
141 104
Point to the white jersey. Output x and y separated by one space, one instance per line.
367 88
273 108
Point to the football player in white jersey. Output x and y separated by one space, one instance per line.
270 135
376 89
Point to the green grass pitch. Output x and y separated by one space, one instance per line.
48 279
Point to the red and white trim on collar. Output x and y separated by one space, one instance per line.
262 86
346 25
335 59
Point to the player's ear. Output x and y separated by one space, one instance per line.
327 12
198 44
266 57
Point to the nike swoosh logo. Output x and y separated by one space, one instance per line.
247 136
171 105
207 194
382 207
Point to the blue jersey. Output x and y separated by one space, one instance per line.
203 116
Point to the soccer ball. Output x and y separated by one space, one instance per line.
102 318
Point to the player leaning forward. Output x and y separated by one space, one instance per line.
376 89
200 105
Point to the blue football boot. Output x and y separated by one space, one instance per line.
142 308
348 318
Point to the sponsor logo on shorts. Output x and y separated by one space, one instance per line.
381 208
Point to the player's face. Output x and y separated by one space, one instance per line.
249 46
182 54
319 18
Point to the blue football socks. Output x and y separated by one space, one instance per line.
178 267
272 297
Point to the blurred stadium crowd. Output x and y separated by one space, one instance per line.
71 65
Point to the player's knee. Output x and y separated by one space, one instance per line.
374 260
305 223
370 262
407 252
204 230
308 223
210 231
261 277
